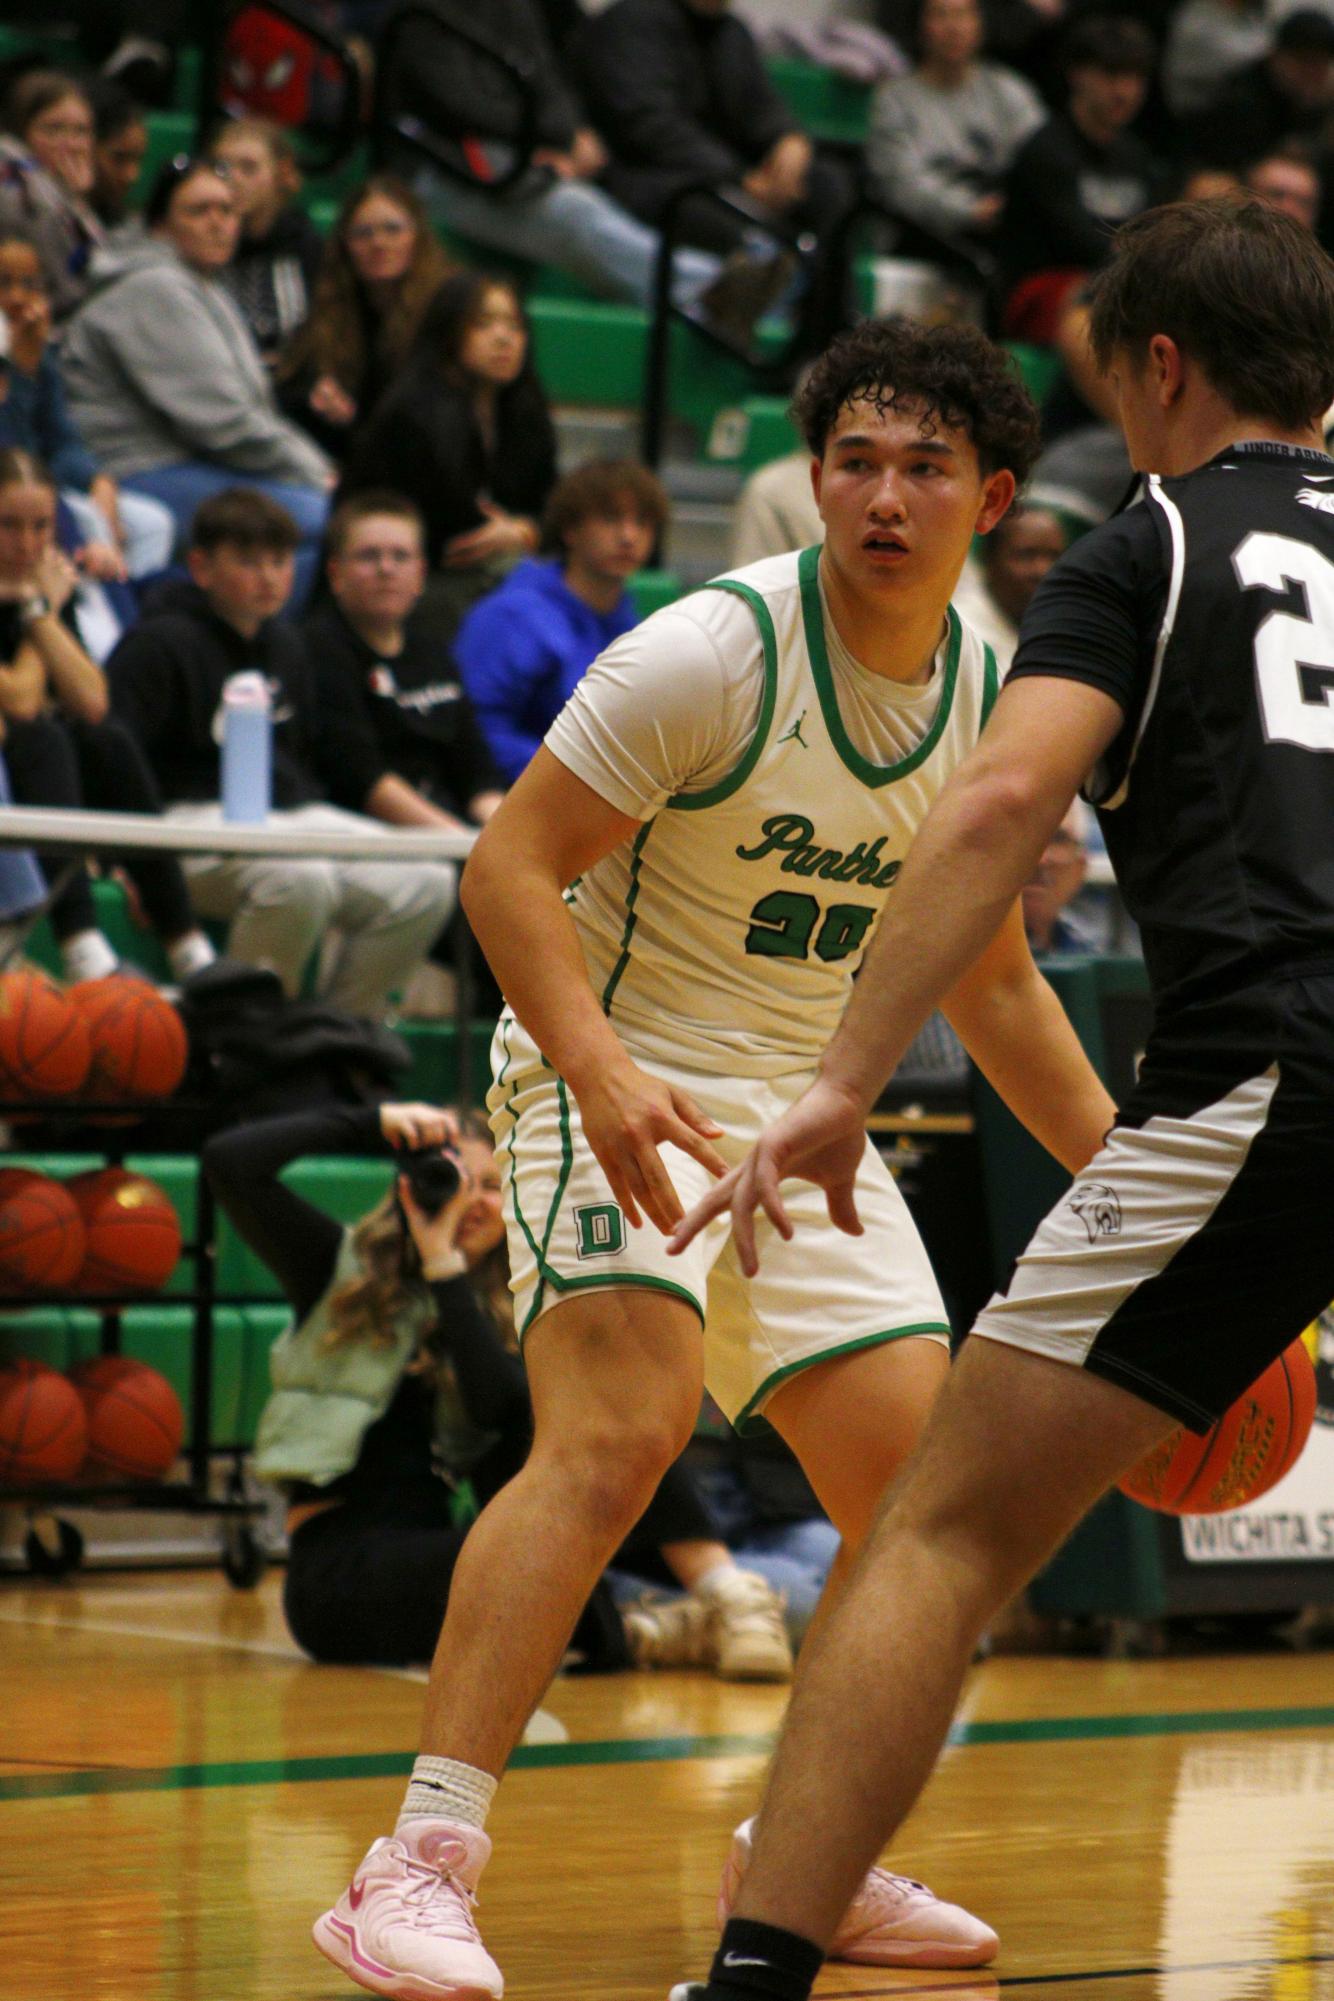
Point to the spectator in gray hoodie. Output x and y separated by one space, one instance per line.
164 378
943 137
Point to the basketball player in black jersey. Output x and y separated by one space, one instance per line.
1178 664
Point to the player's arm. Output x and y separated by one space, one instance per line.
550 828
1020 1038
975 850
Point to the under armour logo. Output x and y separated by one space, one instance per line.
1100 1207
795 731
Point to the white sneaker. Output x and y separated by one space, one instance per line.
747 1628
668 1632
404 1926
892 1920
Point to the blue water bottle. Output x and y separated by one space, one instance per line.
247 748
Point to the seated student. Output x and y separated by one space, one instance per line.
122 534
995 591
120 144
165 382
775 512
1052 926
524 648
380 270
1078 176
46 176
167 679
404 741
61 747
466 433
943 136
400 1403
272 276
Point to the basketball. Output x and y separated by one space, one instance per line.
133 1237
41 1233
1246 1453
44 1049
43 1431
136 1038
135 1421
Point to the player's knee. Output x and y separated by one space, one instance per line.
610 1472
307 890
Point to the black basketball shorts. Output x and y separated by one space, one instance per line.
1200 1241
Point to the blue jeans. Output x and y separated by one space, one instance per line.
794 1558
573 224
182 488
21 885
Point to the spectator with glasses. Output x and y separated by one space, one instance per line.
165 380
382 266
46 178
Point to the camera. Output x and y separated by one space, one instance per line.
432 1174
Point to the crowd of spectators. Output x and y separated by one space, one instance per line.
231 446
245 445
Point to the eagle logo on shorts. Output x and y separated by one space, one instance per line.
1100 1207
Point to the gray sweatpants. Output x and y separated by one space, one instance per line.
386 914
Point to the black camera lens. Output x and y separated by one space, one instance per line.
433 1176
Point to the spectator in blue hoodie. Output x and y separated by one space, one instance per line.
523 650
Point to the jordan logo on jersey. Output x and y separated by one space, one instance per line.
795 731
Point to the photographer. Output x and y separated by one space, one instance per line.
400 1402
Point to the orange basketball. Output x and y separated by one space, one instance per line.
43 1431
44 1049
135 1421
1246 1453
41 1233
133 1237
137 1039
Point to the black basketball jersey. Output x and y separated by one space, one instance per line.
1207 611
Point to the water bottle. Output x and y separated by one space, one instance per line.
247 748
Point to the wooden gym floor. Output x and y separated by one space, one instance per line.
180 1794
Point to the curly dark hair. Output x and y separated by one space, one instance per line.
955 375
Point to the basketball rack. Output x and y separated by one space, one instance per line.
53 1545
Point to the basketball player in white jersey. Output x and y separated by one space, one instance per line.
675 898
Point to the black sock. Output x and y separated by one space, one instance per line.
762 1963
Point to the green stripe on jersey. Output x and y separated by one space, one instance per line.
692 802
812 612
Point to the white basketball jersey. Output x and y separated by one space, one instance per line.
725 937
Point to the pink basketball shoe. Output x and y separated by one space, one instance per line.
404 1926
892 1920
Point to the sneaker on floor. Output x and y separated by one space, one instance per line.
404 1926
747 1628
668 1632
892 1920
690 1990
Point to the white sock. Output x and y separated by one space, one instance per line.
190 954
443 1789
87 956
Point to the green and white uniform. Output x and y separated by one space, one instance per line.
780 786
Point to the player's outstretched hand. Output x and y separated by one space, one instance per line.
822 1139
627 1115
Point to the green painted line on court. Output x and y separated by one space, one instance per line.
638 1751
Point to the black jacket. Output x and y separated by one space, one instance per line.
453 91
678 97
166 679
423 440
272 278
1064 196
407 714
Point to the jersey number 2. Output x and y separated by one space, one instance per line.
1294 671
782 925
